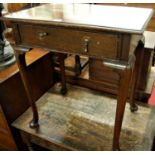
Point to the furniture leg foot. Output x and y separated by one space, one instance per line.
116 148
135 75
63 91
34 124
133 108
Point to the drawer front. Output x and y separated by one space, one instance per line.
70 40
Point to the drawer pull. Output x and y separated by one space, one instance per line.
86 44
42 34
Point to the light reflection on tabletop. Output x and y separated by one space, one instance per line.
88 14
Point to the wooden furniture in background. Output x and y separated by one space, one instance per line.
13 99
13 7
6 139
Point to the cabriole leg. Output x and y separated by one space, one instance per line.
21 62
125 77
124 69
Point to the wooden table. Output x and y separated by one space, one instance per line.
108 33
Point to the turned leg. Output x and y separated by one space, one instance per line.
125 77
139 56
20 59
77 65
63 77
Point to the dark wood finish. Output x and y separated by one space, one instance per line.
6 138
125 71
73 63
136 72
99 72
76 64
94 38
20 58
10 76
78 67
110 79
125 78
13 97
61 39
62 69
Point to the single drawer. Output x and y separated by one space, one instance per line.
70 40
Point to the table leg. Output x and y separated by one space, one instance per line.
21 62
139 55
125 78
133 105
77 65
125 71
63 77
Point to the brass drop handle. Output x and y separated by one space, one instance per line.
86 44
42 34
